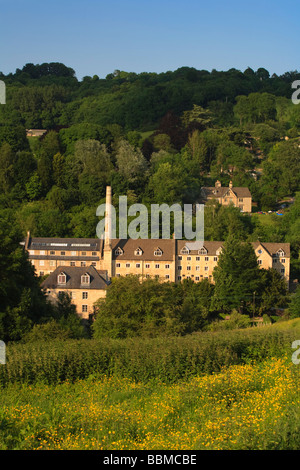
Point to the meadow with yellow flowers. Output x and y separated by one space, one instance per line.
251 404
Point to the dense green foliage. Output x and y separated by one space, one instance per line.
144 359
157 138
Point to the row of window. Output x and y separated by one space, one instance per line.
167 276
138 265
167 266
63 253
84 295
63 263
158 252
62 279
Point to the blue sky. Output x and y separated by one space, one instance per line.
97 37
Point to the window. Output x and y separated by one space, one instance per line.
275 260
189 258
179 258
83 264
283 260
147 265
158 252
156 276
157 266
280 252
197 268
167 266
197 278
73 253
179 278
62 253
73 295
118 275
167 276
85 279
42 252
197 258
202 251
94 253
188 268
83 253
259 261
179 268
138 252
205 268
282 270
61 278
241 199
85 295
118 265
41 273
42 262
52 252
127 265
94 263
84 308
118 251
206 258
185 250
138 265
215 258
259 251
72 263
52 263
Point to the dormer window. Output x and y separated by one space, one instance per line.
184 251
157 252
219 250
85 279
202 251
280 252
61 278
118 251
138 252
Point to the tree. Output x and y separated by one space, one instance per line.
7 172
273 291
294 307
236 276
130 161
22 303
134 308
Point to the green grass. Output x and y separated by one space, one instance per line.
228 390
242 407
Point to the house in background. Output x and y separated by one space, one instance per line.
35 132
84 285
238 196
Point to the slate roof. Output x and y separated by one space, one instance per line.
73 273
213 192
148 246
272 248
65 244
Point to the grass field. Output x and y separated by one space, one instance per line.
254 405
